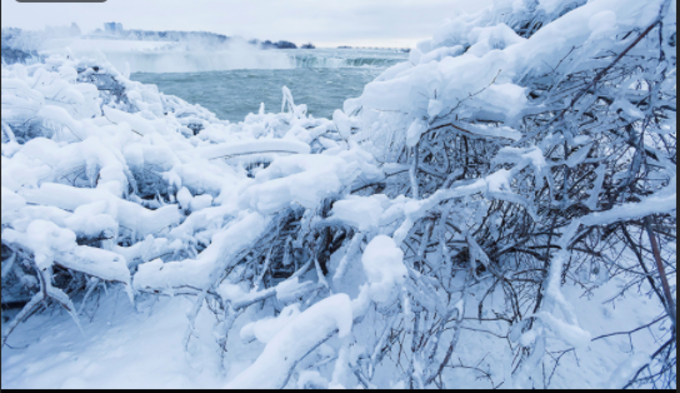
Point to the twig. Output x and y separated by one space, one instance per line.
670 304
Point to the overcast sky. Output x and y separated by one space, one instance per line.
394 23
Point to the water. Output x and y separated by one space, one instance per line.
231 95
321 79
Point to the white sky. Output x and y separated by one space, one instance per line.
392 23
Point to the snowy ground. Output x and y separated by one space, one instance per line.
124 348
119 348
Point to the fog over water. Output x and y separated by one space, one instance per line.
322 79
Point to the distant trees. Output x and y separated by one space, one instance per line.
278 45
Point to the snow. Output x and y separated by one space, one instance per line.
487 72
343 123
254 147
184 197
106 356
50 243
305 332
415 130
364 213
91 220
202 271
292 289
134 121
131 215
664 201
44 239
549 6
302 179
384 268
499 181
573 335
11 203
626 371
602 23
312 380
267 328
